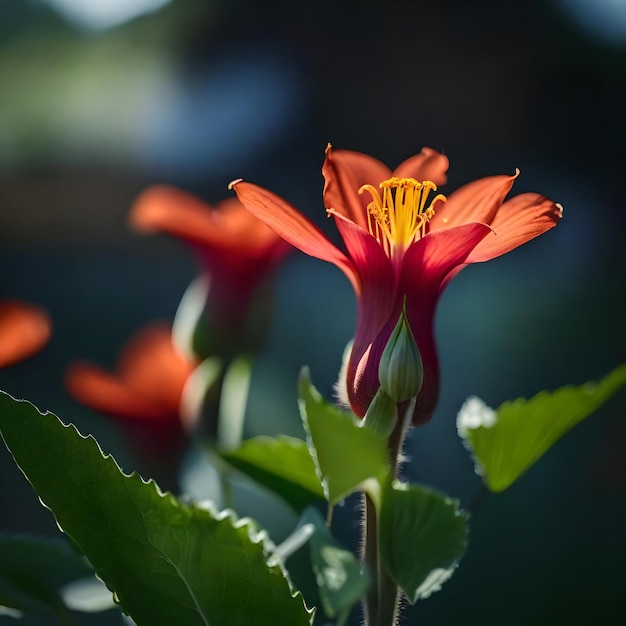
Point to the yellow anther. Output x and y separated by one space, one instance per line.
399 217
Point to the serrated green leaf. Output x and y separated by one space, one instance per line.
281 464
34 570
423 535
340 579
167 562
345 454
509 440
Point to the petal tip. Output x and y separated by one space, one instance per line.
24 330
233 183
152 207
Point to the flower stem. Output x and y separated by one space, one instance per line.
370 558
383 600
389 600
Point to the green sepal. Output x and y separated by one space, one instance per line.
382 414
509 440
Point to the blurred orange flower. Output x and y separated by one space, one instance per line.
144 394
24 330
148 384
236 250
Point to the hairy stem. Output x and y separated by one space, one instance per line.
370 558
382 600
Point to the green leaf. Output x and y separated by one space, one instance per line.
507 441
167 562
340 580
33 572
283 465
345 454
423 535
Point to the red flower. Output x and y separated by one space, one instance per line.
24 330
149 382
144 394
401 245
237 251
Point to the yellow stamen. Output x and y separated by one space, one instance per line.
399 217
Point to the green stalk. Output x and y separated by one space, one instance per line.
383 599
370 558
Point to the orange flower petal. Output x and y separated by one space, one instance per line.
107 394
227 226
427 165
345 172
517 221
287 222
151 366
477 201
148 384
24 330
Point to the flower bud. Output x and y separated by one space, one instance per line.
400 370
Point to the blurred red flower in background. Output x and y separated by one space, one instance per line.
144 394
24 330
148 384
399 246
237 252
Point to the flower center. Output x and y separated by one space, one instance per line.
399 217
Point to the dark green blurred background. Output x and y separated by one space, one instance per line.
96 106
